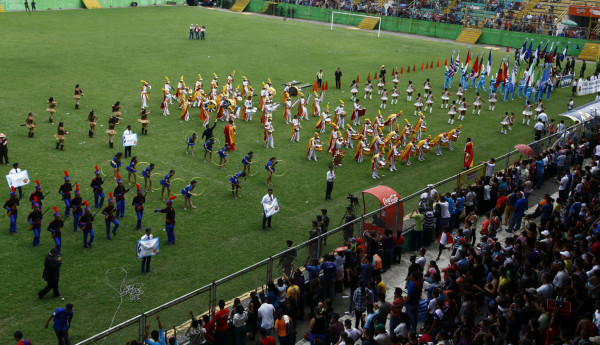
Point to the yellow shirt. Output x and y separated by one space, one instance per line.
381 287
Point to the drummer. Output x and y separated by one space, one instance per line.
362 148
296 126
349 135
377 162
324 120
340 114
392 154
317 104
314 145
356 107
268 129
366 130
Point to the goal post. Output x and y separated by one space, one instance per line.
333 13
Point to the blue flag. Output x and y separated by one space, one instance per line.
564 53
528 54
523 49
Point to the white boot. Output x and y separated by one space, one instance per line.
527 122
479 111
452 122
430 109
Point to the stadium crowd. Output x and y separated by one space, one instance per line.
536 281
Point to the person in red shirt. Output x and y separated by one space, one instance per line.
19 338
396 309
209 327
501 204
221 324
264 339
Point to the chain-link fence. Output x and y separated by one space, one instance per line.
255 277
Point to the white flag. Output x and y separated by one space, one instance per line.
271 207
18 179
130 139
148 247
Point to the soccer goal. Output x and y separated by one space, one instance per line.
333 14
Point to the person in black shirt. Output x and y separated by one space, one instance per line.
3 150
382 73
85 222
35 219
11 210
208 132
96 184
51 274
119 194
338 79
76 208
65 191
169 219
38 194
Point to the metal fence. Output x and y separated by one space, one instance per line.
255 277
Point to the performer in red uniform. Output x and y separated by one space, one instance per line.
230 135
469 152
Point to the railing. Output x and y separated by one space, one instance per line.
254 277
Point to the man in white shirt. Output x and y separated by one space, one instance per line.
16 170
146 259
127 148
330 179
538 129
545 291
445 214
267 200
543 117
489 170
563 191
266 313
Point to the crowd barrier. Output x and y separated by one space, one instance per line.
253 278
43 5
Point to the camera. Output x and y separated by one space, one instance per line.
353 199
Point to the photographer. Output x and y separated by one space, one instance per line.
349 228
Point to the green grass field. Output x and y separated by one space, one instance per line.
108 52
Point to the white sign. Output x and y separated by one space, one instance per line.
148 247
19 179
271 207
586 87
130 139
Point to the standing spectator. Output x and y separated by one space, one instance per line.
338 78
519 212
62 322
359 303
202 32
239 323
445 213
221 325
336 327
396 309
412 299
264 338
318 326
3 150
191 36
538 129
539 172
127 148
489 170
417 233
266 313
26 6
329 270
33 5
197 31
281 325
146 259
330 179
156 337
51 273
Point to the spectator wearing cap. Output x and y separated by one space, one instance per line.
565 256
562 276
382 337
518 213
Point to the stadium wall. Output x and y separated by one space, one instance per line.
424 28
18 5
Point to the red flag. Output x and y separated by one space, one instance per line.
475 70
468 59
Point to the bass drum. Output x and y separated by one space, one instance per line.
211 106
293 91
227 103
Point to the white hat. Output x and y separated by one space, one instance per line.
566 253
2 135
546 233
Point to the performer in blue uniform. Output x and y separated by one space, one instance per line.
223 156
85 223
55 227
481 83
270 168
247 161
132 170
235 183
187 194
138 202
35 219
109 217
11 210
169 219
191 142
147 173
208 147
166 183
115 163
76 207
96 184
65 190
119 194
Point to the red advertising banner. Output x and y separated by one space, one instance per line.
584 11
